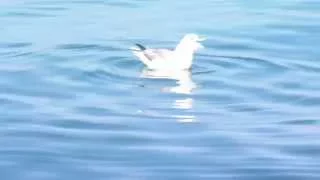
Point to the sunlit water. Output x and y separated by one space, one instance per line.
76 104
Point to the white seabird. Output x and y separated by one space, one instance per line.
179 58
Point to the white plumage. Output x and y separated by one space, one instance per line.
179 58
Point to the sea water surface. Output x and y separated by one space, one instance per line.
76 104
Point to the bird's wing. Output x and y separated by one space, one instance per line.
152 54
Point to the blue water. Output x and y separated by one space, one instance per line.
76 104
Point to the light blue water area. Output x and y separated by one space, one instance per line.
76 104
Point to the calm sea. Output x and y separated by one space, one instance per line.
76 104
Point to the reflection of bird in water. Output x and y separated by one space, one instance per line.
185 85
178 59
186 103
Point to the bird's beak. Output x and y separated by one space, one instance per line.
199 45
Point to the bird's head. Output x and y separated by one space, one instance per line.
192 41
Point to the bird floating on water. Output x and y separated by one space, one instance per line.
179 58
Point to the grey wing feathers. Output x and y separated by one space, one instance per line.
152 54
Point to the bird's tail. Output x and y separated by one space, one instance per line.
138 51
138 47
142 48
